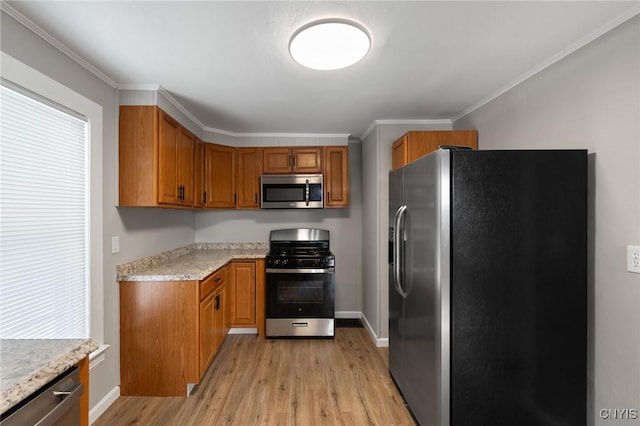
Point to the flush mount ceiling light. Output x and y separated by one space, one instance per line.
329 44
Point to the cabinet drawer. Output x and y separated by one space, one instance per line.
212 282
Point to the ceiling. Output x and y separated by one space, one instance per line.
228 64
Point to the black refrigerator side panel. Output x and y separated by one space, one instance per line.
519 288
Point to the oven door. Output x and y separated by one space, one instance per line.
300 293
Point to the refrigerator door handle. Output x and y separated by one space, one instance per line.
398 242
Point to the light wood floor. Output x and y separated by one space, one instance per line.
254 381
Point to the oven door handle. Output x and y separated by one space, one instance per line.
302 271
306 196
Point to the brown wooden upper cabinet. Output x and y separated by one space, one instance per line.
198 174
162 164
220 176
418 143
249 169
156 157
336 176
283 160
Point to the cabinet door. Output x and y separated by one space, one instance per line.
307 160
207 332
421 143
243 294
399 153
219 322
168 160
138 155
186 149
227 304
276 160
336 176
220 176
249 171
198 174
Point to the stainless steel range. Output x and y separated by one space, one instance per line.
300 284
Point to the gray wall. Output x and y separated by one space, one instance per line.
591 99
343 224
376 163
142 231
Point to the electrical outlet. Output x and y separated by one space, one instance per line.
115 245
633 259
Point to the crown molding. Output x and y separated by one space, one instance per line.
173 101
144 87
600 31
168 96
376 123
29 24
291 135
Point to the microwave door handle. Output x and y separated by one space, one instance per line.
306 195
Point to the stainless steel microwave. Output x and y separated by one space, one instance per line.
291 192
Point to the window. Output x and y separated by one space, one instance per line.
43 219
50 208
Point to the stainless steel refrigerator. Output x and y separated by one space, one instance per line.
488 287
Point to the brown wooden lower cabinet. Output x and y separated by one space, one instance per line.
213 316
83 365
170 331
159 326
246 294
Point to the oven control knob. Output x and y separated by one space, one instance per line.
316 262
285 261
276 261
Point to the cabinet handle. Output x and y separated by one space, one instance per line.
179 192
216 303
204 197
289 163
235 199
217 280
293 160
328 195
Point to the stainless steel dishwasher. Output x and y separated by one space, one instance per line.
55 404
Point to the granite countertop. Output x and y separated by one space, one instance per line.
28 364
193 262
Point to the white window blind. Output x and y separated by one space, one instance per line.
44 243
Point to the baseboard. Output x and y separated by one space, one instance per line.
348 314
98 409
380 342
